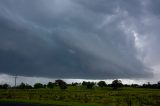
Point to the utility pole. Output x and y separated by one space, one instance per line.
15 80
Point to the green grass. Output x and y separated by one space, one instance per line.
79 96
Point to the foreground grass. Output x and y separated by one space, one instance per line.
79 96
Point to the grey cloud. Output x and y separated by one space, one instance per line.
69 39
153 7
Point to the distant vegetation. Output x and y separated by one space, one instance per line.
83 94
88 85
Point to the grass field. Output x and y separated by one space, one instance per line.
79 96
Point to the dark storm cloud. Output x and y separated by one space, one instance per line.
153 7
70 39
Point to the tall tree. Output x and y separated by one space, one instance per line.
50 85
38 85
102 84
116 84
62 84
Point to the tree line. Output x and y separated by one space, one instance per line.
88 85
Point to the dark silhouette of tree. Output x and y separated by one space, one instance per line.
89 85
44 86
84 83
50 85
149 85
144 86
158 84
38 85
62 84
28 86
21 86
24 86
135 85
5 86
116 84
74 84
102 84
59 82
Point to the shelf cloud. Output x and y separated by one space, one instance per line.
79 38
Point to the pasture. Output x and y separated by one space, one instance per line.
80 96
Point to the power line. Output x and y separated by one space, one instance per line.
15 79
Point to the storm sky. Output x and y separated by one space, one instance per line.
91 39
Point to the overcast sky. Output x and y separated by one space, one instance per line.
80 39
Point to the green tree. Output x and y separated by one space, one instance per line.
28 86
62 84
74 84
21 86
158 84
38 85
89 85
5 86
102 84
50 85
116 84
84 83
24 86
